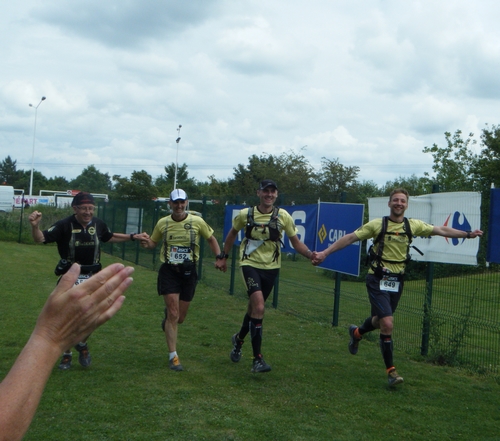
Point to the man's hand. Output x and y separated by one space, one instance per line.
73 312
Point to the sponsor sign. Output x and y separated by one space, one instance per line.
460 210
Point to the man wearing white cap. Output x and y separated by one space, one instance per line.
179 234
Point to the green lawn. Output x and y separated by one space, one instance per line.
316 390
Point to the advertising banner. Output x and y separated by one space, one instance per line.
460 210
334 221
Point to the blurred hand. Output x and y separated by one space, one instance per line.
73 312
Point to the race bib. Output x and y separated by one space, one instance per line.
389 283
82 278
179 254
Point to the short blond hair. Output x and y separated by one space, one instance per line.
399 190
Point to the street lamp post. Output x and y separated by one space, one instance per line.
33 151
177 155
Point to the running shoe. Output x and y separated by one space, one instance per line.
259 365
394 378
65 363
235 354
84 357
175 364
353 342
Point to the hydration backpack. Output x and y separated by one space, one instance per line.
274 233
375 258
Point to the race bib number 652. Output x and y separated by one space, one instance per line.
179 254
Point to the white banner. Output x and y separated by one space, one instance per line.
460 210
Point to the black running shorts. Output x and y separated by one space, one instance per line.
384 303
257 279
172 281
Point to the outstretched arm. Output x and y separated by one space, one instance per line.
338 245
300 247
70 314
121 237
441 230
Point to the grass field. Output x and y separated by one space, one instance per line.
316 390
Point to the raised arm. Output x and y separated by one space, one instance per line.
34 219
338 245
70 314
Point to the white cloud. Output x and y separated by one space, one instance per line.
243 78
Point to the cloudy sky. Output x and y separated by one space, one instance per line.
368 82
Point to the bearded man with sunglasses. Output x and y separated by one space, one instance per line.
78 238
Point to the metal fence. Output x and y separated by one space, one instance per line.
445 316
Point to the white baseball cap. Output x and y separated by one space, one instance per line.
178 194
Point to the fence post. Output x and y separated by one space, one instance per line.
276 291
234 258
338 278
202 242
426 321
21 218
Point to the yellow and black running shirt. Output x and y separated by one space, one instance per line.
263 256
180 234
395 244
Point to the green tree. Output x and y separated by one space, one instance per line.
415 186
138 188
336 178
58 183
92 180
454 165
24 178
488 164
291 171
359 192
165 183
8 171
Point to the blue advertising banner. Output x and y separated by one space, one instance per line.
334 221
493 250
305 217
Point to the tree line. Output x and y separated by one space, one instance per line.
456 167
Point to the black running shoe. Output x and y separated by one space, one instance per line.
235 354
84 357
65 363
259 365
353 342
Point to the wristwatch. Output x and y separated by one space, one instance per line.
132 236
222 256
468 234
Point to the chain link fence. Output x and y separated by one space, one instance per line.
449 314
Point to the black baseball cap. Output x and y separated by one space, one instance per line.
267 183
82 198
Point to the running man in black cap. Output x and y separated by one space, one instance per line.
260 261
78 239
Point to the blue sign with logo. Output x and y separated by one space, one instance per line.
335 220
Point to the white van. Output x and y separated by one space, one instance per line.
6 198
